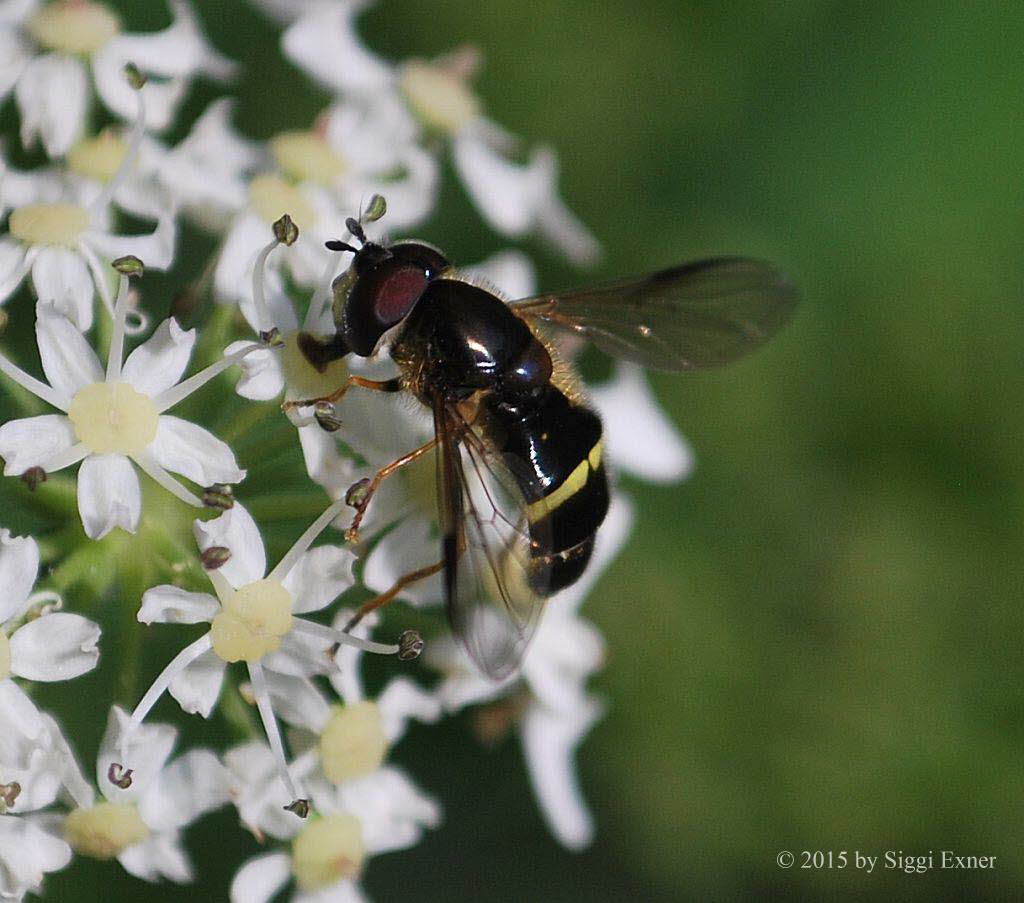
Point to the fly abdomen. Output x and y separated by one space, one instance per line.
557 448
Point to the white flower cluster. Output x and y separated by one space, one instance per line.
65 228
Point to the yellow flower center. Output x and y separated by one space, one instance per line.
252 621
98 158
272 197
302 379
328 850
439 97
353 743
75 26
307 157
113 417
5 656
49 224
105 830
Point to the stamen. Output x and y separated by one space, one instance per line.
221 586
35 386
284 566
173 395
262 695
130 157
99 277
178 664
120 776
33 477
116 354
259 294
321 631
161 476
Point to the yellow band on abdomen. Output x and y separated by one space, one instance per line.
569 486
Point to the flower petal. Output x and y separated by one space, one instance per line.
549 742
57 646
27 852
297 701
506 194
15 53
142 747
640 439
236 530
259 879
68 361
193 784
108 495
324 43
510 272
160 361
319 577
18 714
155 250
52 96
262 377
403 699
30 441
173 605
19 566
182 447
197 687
160 855
13 266
62 279
412 544
392 809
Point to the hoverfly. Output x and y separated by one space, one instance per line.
521 484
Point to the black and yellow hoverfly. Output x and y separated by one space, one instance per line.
521 483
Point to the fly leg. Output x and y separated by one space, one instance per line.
386 385
389 594
361 493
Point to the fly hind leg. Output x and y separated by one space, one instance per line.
389 594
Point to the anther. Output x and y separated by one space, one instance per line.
355 496
336 245
130 265
215 557
9 794
323 413
285 230
120 776
298 807
133 75
410 646
375 209
219 495
33 477
271 336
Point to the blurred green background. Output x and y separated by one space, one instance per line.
815 641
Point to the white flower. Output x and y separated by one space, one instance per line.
366 809
45 49
60 231
203 176
252 619
145 807
49 647
110 419
319 177
435 97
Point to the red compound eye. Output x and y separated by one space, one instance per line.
380 299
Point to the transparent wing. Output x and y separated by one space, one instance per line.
496 572
689 317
